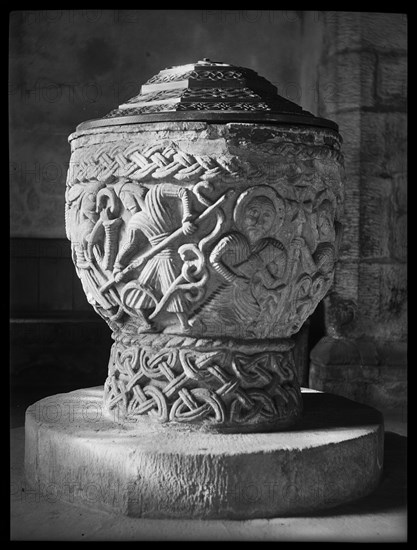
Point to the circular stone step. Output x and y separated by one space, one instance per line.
75 453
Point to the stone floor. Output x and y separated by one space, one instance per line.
380 517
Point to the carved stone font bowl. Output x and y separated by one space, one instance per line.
204 219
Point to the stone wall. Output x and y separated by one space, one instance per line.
362 85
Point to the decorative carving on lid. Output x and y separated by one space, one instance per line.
208 90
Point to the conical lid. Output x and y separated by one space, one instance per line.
208 91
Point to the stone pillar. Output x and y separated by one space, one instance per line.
362 86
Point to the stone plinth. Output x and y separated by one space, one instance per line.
77 452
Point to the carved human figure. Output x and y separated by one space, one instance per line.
251 263
270 278
155 215
81 217
81 220
105 235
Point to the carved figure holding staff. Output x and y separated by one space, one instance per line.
157 213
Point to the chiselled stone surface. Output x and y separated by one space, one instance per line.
205 247
78 451
368 300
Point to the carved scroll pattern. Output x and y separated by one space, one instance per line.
218 386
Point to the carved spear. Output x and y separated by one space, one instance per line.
167 241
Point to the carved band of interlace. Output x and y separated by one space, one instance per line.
158 161
183 385
200 75
154 162
221 93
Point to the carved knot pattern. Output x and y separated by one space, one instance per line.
154 162
219 386
221 93
222 106
162 161
197 75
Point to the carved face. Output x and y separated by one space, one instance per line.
132 196
258 218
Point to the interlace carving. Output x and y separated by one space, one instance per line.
199 75
221 386
154 162
221 93
157 162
